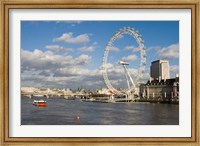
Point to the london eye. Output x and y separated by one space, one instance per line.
131 84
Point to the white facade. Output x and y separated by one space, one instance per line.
160 70
104 91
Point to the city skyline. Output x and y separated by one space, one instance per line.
68 54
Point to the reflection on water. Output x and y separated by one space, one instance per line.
64 112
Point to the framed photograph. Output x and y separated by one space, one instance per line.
105 73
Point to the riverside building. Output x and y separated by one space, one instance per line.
160 85
162 89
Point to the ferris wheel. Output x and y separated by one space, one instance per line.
142 65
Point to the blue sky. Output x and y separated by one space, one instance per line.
68 54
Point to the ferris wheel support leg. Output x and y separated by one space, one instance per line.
128 73
126 77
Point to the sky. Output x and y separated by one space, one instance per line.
69 54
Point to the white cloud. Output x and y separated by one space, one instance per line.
54 47
37 59
108 65
57 48
153 48
69 49
44 68
114 49
68 38
77 71
171 51
132 48
82 59
129 58
87 49
48 60
128 47
174 69
69 77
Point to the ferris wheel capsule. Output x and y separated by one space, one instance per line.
142 41
123 63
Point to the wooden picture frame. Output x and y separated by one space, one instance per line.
193 5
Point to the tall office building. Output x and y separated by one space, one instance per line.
160 69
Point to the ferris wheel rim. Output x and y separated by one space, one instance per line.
135 34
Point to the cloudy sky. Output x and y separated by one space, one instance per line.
68 54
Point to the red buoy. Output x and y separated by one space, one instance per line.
78 118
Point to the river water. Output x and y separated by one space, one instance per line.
75 112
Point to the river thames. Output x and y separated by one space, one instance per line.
76 112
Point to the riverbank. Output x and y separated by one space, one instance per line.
123 100
109 100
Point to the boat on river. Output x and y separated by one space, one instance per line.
40 103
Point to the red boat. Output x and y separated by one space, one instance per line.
40 103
